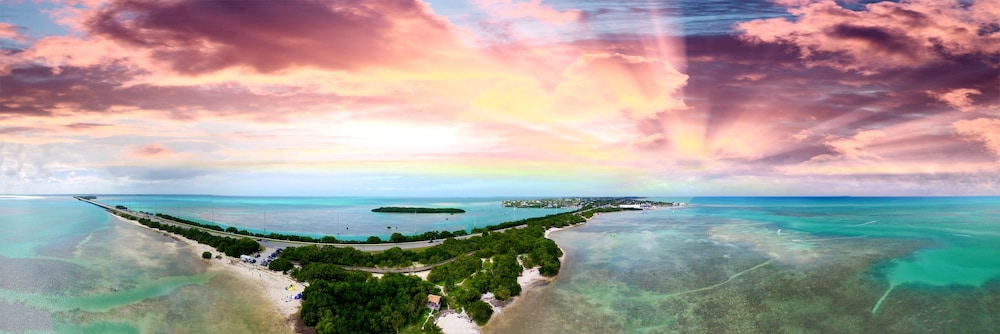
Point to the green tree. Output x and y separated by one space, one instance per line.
374 306
549 269
239 247
280 265
397 237
502 292
206 255
480 312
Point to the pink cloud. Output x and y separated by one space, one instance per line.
985 130
635 85
85 126
856 147
960 98
196 37
257 83
938 144
530 9
751 77
11 32
150 150
58 52
884 35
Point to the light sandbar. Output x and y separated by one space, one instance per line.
277 286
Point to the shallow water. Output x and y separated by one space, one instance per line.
722 266
70 267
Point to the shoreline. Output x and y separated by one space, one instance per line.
451 322
273 283
530 280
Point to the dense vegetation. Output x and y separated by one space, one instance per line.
398 209
487 263
230 246
529 241
282 265
190 222
348 301
337 300
359 303
590 213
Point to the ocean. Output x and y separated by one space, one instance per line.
346 218
776 265
70 267
719 265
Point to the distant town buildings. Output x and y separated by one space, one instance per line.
576 202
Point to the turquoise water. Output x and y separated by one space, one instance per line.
347 218
721 265
845 265
69 267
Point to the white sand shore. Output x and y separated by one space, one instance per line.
456 323
461 323
549 232
273 283
529 280
529 277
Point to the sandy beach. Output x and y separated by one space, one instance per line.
530 280
460 323
279 287
276 285
456 323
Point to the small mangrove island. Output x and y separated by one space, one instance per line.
400 209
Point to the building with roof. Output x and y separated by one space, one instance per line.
434 302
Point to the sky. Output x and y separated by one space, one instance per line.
500 97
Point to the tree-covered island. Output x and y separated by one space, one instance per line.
403 209
336 299
342 296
